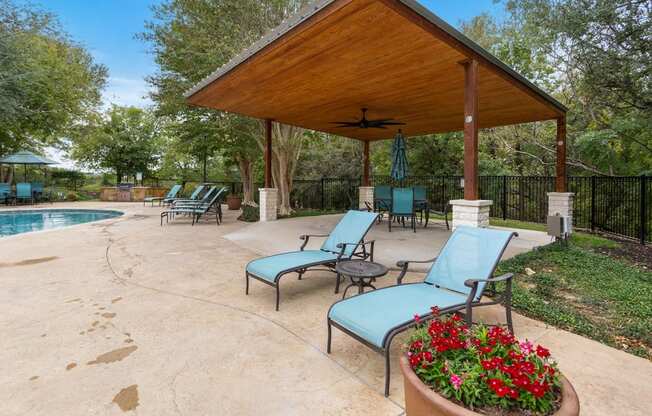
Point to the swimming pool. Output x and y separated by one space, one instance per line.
18 222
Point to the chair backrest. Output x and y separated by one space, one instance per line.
351 229
196 192
37 187
383 192
5 189
24 190
403 201
470 253
420 193
173 191
208 195
214 199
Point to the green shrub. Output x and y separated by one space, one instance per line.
250 213
72 196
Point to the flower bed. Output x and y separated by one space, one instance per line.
484 369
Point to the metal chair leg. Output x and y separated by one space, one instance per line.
278 296
328 342
246 283
387 371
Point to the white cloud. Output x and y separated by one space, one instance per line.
127 92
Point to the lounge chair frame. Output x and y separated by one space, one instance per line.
467 307
360 251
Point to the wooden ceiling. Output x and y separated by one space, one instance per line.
383 55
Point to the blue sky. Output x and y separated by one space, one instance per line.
107 28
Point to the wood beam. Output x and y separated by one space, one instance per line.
471 130
268 153
365 164
560 183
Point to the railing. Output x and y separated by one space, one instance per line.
616 205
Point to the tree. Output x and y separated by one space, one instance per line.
48 84
124 141
192 38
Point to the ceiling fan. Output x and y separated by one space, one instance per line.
364 123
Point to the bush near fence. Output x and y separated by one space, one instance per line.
617 205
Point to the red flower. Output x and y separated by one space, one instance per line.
514 394
542 352
528 367
416 345
435 310
486 349
537 390
487 365
428 356
456 317
502 391
495 383
417 318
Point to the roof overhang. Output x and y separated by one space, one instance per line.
393 57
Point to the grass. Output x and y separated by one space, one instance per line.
586 292
308 212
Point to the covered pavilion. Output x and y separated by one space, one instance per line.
399 61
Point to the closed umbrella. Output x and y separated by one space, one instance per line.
399 158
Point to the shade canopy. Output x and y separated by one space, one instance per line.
393 57
25 157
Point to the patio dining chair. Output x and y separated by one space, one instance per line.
382 200
455 282
346 241
421 204
403 207
24 192
37 191
172 193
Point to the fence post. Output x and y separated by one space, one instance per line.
593 186
643 208
322 193
504 197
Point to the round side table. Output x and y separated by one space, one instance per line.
362 273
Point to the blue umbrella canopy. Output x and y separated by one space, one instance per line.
399 158
25 157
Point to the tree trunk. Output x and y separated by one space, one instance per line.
118 177
246 174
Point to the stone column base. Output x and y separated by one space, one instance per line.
268 204
471 213
366 195
562 203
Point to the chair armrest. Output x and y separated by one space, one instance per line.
403 265
364 244
473 284
306 238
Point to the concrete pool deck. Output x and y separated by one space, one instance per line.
126 316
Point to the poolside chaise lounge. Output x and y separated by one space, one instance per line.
200 209
172 193
344 242
5 192
455 282
194 197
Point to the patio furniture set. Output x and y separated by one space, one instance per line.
403 204
25 192
204 202
456 280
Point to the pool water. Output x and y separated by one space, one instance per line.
18 222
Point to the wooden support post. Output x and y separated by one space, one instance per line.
560 183
365 163
268 153
471 130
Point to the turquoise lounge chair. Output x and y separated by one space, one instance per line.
24 192
5 192
194 197
171 194
456 281
343 243
187 203
198 210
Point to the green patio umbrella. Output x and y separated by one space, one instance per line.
399 158
25 158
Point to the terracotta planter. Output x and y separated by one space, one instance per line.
234 202
420 400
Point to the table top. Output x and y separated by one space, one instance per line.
360 268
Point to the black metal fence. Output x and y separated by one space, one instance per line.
617 205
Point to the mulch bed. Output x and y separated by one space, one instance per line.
629 250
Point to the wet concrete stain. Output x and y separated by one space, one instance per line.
95 323
28 262
73 300
128 341
108 315
127 398
33 378
71 366
118 299
114 356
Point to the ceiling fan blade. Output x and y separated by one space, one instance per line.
393 123
378 127
346 123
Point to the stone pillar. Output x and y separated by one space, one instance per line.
268 204
471 213
562 203
366 195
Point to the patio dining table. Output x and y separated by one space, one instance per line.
423 205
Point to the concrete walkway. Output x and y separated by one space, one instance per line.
126 316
